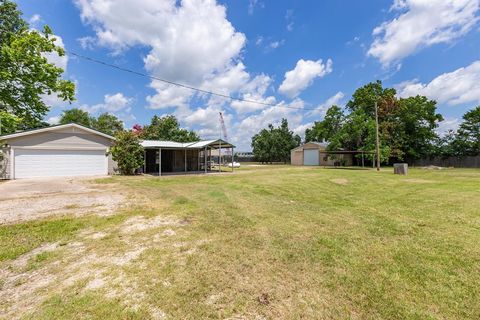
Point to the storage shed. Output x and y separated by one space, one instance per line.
316 154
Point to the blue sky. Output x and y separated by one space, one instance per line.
298 55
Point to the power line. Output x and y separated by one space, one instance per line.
141 74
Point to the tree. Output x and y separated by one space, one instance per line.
468 134
406 125
413 134
25 73
8 122
167 128
365 97
262 145
78 116
107 123
127 152
445 146
274 144
324 130
284 141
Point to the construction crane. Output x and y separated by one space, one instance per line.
224 130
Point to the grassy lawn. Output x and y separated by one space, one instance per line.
268 242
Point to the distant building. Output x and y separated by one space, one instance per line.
316 154
244 156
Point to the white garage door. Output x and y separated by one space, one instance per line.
30 163
311 158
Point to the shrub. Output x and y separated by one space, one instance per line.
127 152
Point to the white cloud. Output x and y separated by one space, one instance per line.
422 23
168 96
252 124
322 108
254 90
210 119
302 76
54 58
275 44
112 103
34 19
300 130
54 120
289 19
458 87
446 125
191 42
87 42
254 3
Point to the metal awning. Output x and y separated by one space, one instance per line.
212 144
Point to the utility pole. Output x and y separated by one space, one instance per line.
377 142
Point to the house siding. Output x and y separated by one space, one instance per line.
61 140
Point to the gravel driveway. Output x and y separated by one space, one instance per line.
30 199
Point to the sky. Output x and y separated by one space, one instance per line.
296 57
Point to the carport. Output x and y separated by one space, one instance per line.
170 157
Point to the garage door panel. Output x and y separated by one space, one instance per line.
30 163
311 157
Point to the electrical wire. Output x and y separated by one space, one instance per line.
182 85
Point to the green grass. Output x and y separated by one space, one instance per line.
87 306
290 243
21 238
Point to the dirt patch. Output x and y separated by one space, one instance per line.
140 223
83 263
434 168
22 261
340 181
50 197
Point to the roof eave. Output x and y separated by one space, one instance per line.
56 127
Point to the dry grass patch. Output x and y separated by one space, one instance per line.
342 182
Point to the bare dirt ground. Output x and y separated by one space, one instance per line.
30 199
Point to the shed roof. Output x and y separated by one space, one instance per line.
319 144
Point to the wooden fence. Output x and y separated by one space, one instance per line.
466 162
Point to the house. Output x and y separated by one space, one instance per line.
75 150
316 154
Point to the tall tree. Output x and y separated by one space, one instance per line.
274 144
167 128
413 135
468 134
78 116
107 123
324 130
284 140
25 73
364 99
